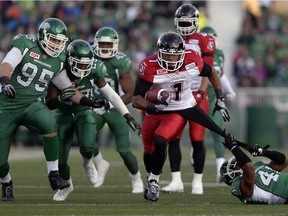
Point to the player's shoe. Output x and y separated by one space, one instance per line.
137 183
91 171
197 188
102 168
61 195
7 191
174 187
56 181
152 191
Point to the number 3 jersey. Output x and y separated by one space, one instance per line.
270 187
32 75
177 83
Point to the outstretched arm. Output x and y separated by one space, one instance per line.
245 163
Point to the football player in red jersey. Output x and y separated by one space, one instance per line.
186 22
173 69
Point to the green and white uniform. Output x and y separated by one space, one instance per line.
75 118
30 79
218 66
117 66
270 187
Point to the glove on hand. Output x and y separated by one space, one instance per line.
98 103
256 150
8 90
199 96
230 141
220 106
66 94
133 123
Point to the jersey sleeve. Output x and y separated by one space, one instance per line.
192 59
235 188
22 42
99 71
145 71
125 63
208 48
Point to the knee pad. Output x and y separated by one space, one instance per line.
160 142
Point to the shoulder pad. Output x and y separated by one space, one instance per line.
22 41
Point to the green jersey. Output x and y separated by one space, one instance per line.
116 66
85 86
218 66
32 75
270 187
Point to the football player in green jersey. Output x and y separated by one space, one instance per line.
25 74
84 71
229 95
258 183
118 66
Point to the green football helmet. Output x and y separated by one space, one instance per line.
106 35
228 170
80 58
52 36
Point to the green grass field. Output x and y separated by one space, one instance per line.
33 195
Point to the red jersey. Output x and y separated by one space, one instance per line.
177 83
204 44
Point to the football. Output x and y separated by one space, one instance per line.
157 95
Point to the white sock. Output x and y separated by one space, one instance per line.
6 179
153 177
52 166
135 176
176 176
86 161
219 162
197 178
97 158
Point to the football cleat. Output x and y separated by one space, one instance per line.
91 171
197 188
174 187
56 181
61 195
152 191
7 191
102 168
137 183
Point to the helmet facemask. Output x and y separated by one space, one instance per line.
80 67
229 170
51 48
167 64
186 25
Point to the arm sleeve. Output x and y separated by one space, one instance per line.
114 98
226 84
13 57
61 80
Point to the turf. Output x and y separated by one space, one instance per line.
33 195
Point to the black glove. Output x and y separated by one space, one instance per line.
98 103
230 141
66 94
8 90
133 123
220 106
256 150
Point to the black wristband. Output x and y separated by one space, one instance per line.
151 109
86 101
240 156
218 93
275 156
4 80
